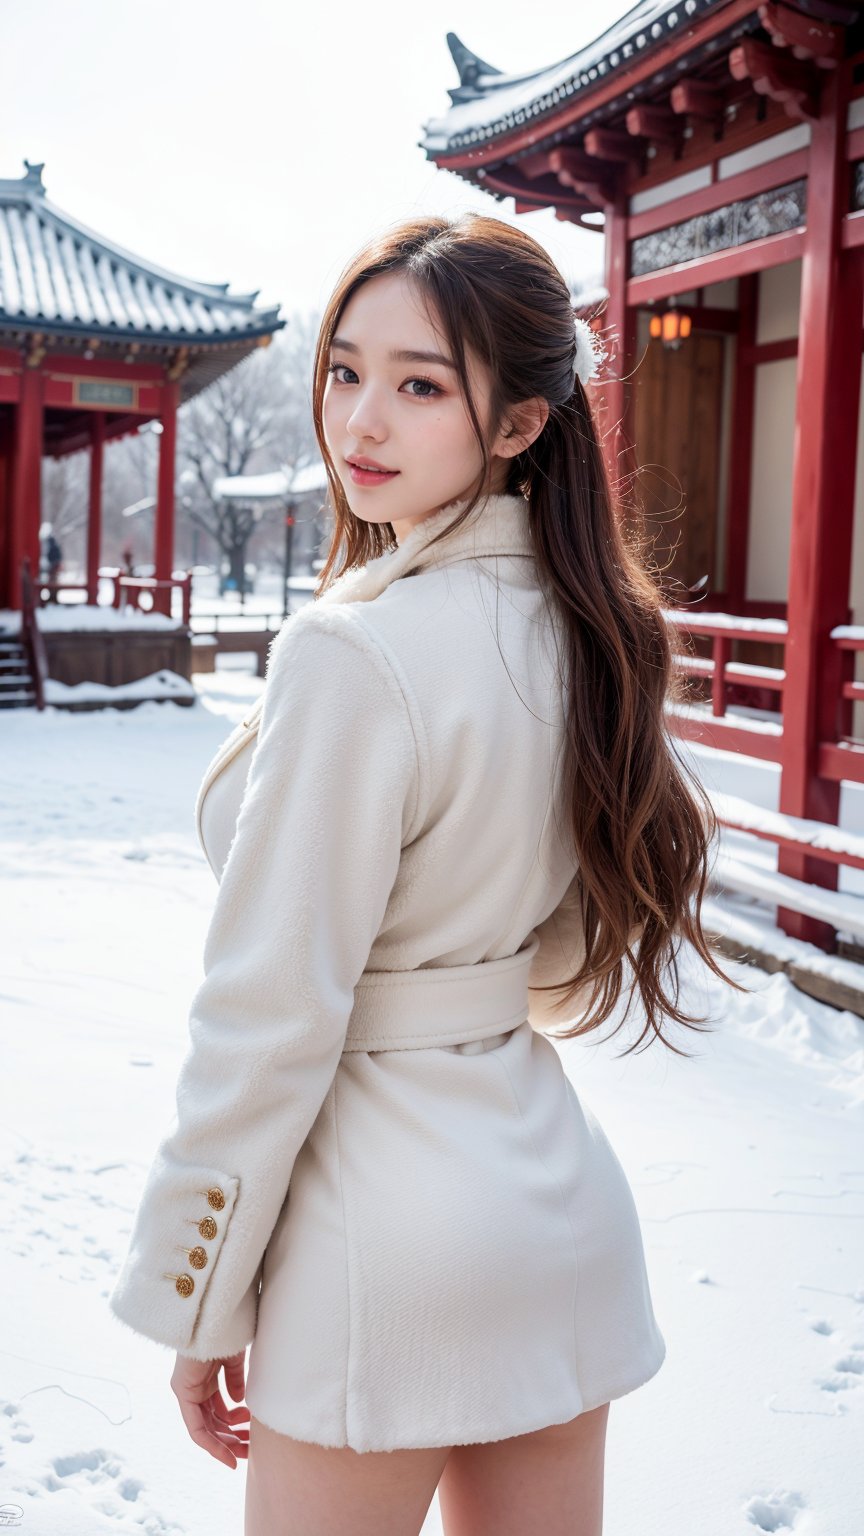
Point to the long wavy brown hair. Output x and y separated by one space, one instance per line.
642 827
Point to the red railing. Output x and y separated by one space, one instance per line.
842 759
31 635
129 589
723 630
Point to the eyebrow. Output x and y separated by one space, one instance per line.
398 355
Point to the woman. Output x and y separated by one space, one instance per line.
457 794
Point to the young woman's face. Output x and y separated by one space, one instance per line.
401 412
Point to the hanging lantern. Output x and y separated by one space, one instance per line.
672 326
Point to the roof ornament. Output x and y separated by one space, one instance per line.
590 352
33 179
470 66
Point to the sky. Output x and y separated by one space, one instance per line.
261 144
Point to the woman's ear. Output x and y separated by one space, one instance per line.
525 423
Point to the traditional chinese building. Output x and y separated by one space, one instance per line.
95 342
718 147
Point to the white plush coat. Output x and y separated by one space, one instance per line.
379 1174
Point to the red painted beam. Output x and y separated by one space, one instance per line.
755 256
713 732
63 364
727 189
852 230
836 856
837 762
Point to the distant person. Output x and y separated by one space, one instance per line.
53 561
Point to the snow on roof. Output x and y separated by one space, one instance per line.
276 486
312 478
57 273
488 103
272 487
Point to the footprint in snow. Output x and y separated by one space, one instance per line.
110 1495
848 1371
70 1217
777 1511
13 1426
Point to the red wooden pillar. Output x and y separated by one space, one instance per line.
94 518
823 493
164 554
741 445
26 482
619 338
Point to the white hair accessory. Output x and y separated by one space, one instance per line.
589 350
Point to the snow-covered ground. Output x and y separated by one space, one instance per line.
746 1161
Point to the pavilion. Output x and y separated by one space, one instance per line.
718 145
94 343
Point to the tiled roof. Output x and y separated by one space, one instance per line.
488 104
57 275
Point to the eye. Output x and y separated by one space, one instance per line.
332 367
434 387
430 385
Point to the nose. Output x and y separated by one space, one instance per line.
367 417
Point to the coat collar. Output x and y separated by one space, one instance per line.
497 526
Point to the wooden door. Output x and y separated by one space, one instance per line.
678 398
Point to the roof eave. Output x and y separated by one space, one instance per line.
270 324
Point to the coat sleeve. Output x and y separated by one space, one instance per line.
330 799
559 955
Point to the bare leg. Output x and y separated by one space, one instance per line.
548 1483
294 1488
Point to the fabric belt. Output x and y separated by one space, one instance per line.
438 1005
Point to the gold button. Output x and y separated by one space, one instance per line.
197 1258
208 1228
184 1285
216 1199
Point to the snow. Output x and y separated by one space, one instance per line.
73 616
744 1159
277 485
155 684
252 487
731 621
844 911
742 717
847 632
812 834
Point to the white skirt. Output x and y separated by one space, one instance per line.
458 1259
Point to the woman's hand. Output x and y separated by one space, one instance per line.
209 1421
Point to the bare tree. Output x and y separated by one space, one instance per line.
255 418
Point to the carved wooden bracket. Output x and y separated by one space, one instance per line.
573 168
179 363
804 36
776 74
610 144
34 351
653 122
693 98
